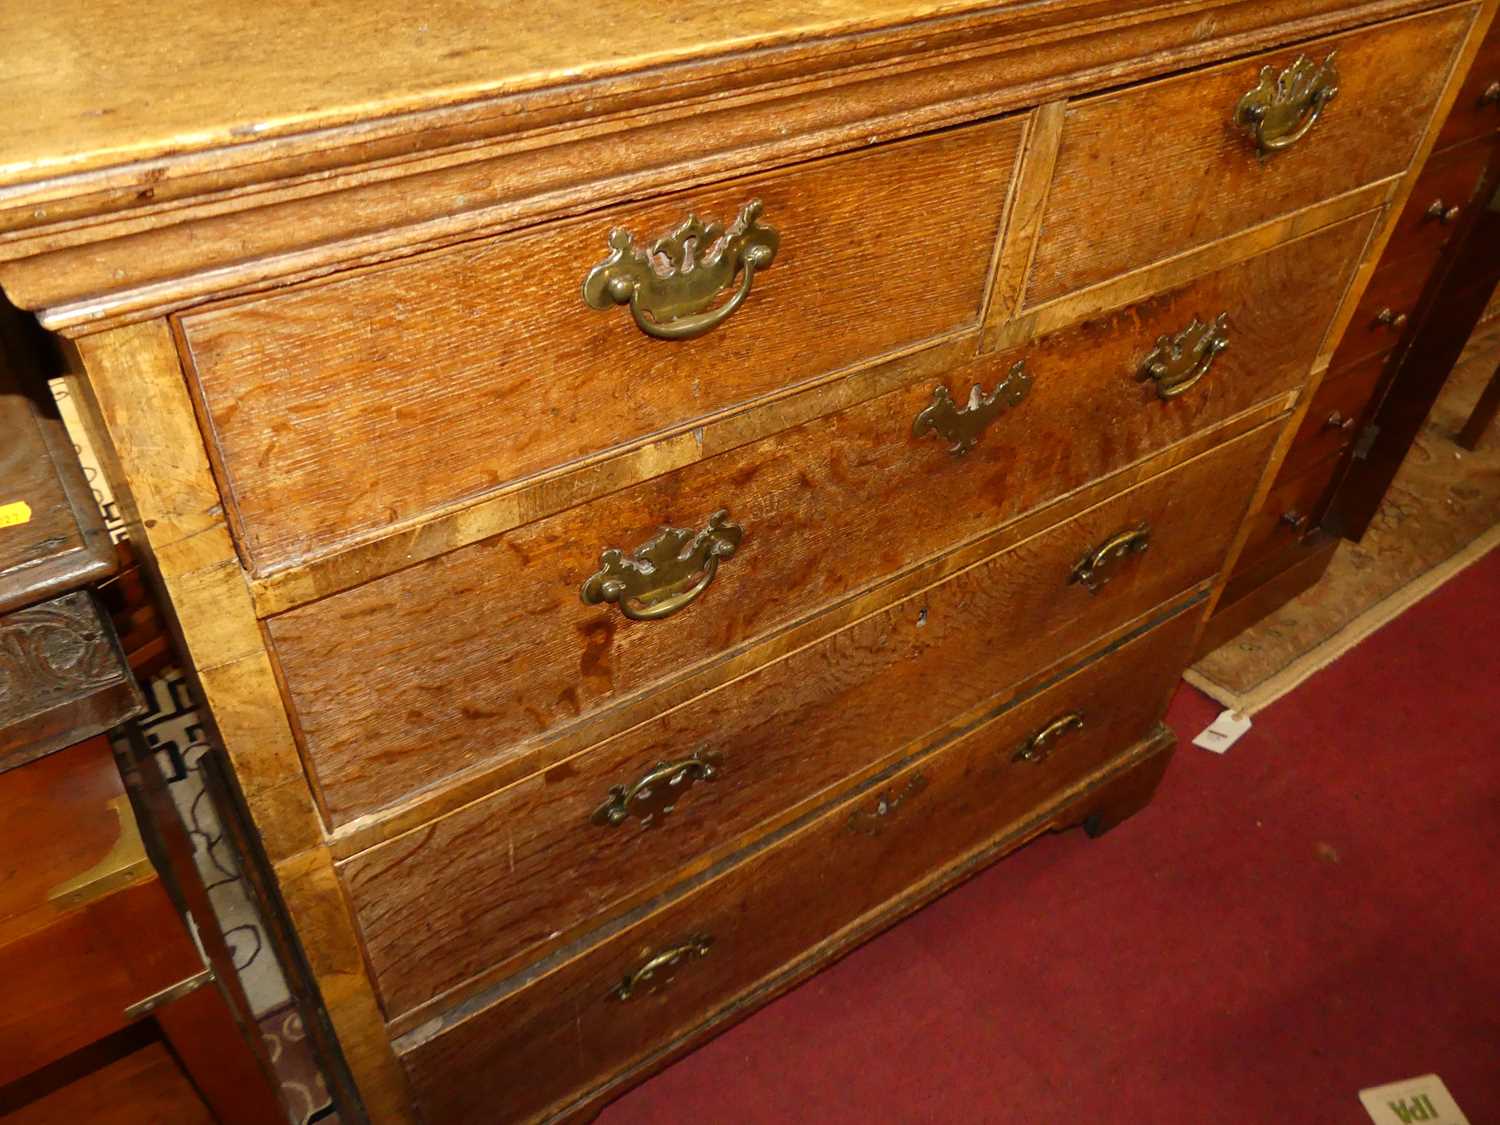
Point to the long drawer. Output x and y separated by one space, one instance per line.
340 409
510 875
567 1027
1157 169
470 655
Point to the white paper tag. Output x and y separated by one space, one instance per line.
1422 1100
1223 732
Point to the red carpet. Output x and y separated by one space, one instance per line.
1316 912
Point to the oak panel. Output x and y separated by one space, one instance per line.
827 507
1157 169
560 1032
342 409
509 874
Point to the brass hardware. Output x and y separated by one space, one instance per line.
1093 570
124 863
167 995
1491 95
670 284
964 427
1180 361
664 574
1337 421
1283 108
871 822
1295 520
654 795
1040 745
646 975
1390 319
1444 215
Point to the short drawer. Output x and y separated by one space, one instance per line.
512 873
1443 191
1476 109
1154 170
566 1030
1332 421
1291 511
825 508
340 409
1386 308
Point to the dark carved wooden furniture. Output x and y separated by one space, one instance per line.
111 1013
650 500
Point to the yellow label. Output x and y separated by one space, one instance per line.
15 513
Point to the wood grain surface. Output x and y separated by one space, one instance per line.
1473 115
507 875
344 409
559 1031
828 507
1155 169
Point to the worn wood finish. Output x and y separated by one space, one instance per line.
259 211
1160 146
57 541
485 778
811 535
504 876
63 678
341 410
799 890
536 498
136 404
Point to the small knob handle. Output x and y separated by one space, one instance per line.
1295 520
1491 95
1390 319
1445 215
1337 421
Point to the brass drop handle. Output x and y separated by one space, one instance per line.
1283 107
693 947
665 574
1094 569
1491 95
1443 214
1390 319
1178 362
1036 748
962 428
1337 421
654 795
670 284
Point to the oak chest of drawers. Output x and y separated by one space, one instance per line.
651 501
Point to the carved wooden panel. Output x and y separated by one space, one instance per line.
62 678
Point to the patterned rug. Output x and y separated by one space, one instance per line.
1442 513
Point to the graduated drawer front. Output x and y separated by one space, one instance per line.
339 409
1444 190
1476 108
563 1033
468 656
1333 419
1385 308
1154 170
505 876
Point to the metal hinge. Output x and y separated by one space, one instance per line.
167 995
1365 441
